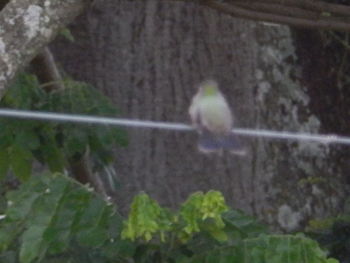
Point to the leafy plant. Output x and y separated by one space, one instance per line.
51 218
269 249
205 230
333 234
147 218
54 144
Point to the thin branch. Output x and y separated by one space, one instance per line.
45 68
322 15
345 43
312 5
277 9
239 12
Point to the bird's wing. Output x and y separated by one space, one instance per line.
194 112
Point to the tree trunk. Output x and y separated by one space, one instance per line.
26 27
149 56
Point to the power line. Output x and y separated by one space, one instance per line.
75 118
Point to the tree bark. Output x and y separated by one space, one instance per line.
26 27
149 57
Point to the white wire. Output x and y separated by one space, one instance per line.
50 116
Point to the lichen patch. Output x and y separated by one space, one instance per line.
287 218
2 47
31 19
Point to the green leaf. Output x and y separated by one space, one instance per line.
53 157
60 230
267 249
24 93
8 257
7 235
65 32
121 137
118 249
239 225
146 218
200 207
27 139
94 237
75 141
4 163
47 216
32 244
20 205
21 162
6 137
215 231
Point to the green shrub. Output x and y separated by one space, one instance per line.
51 143
52 218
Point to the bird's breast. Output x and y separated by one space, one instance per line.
216 115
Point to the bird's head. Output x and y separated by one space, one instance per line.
209 88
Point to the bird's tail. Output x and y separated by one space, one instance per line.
209 142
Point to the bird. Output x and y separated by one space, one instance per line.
212 118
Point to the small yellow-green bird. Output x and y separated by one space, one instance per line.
212 117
